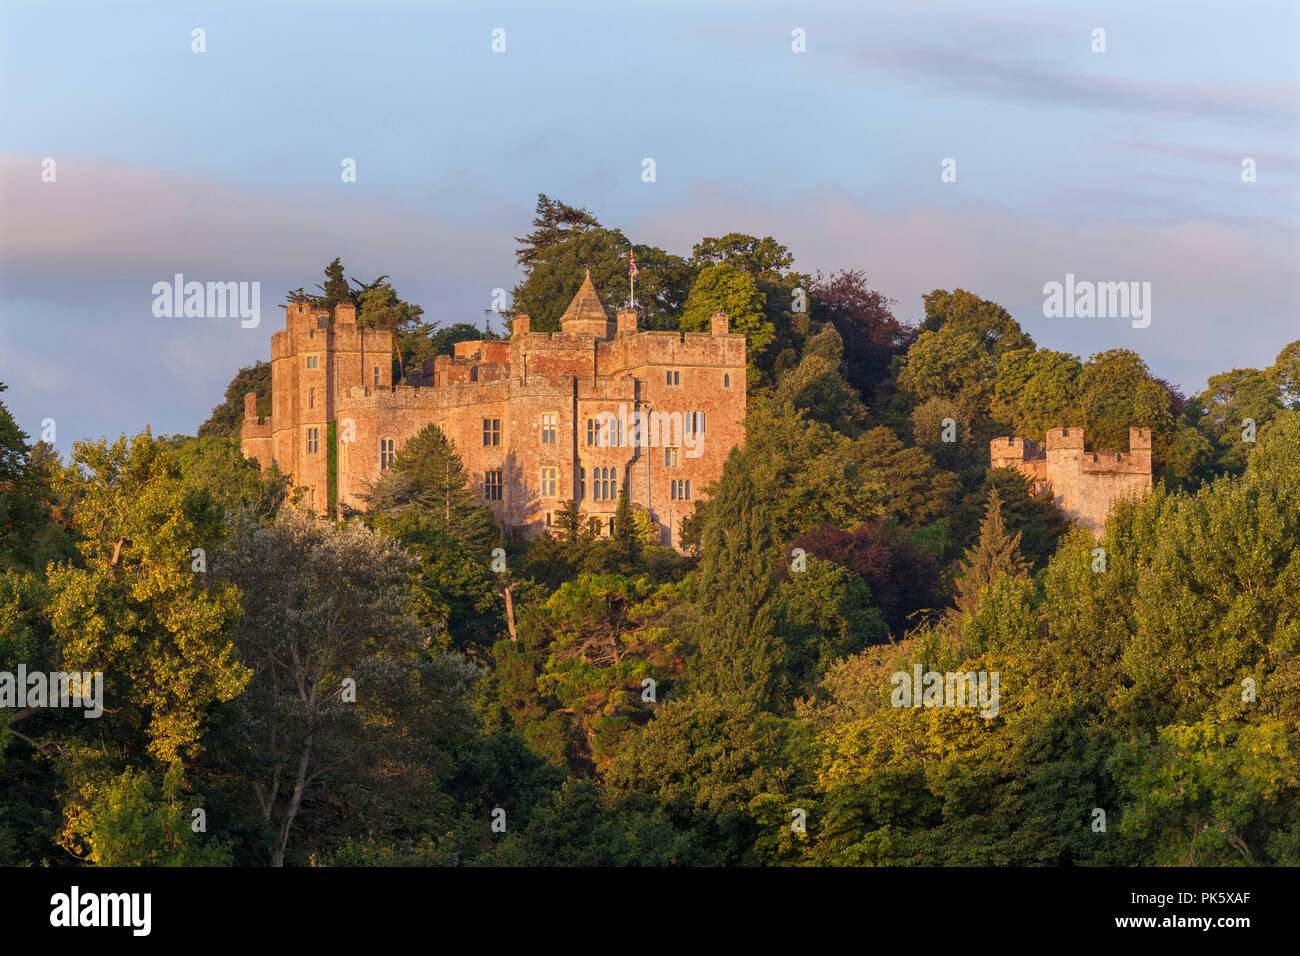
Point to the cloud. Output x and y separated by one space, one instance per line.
1222 296
1003 76
78 340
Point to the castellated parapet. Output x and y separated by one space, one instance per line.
1084 484
538 419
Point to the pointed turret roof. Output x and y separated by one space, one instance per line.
586 305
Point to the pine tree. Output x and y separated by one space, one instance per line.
335 287
995 554
740 650
624 528
568 522
427 480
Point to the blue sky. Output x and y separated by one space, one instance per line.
1123 165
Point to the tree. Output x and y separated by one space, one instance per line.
338 612
134 821
739 649
865 320
960 311
1285 372
574 678
818 388
916 492
747 253
994 555
728 289
704 759
565 241
31 536
227 419
135 609
950 365
1229 399
903 580
1037 390
1118 392
427 479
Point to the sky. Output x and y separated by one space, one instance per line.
226 165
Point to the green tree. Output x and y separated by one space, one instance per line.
565 241
227 419
427 479
729 289
995 554
1117 392
132 820
739 648
339 612
134 608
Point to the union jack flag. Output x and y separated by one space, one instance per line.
631 263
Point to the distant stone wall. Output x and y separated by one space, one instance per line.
1085 485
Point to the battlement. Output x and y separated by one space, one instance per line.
1015 450
1084 484
1065 439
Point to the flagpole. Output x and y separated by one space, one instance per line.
632 276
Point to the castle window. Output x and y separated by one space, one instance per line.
726 381
311 361
492 485
670 457
311 398
605 484
548 519
386 453
680 490
695 423
376 376
582 483
594 433
674 378
548 428
548 482
313 440
611 527
491 431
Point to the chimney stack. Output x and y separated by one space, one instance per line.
627 318
345 313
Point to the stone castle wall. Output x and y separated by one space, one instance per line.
1083 484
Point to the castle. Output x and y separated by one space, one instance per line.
1084 484
538 419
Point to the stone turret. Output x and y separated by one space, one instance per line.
587 314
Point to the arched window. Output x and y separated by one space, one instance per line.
726 381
